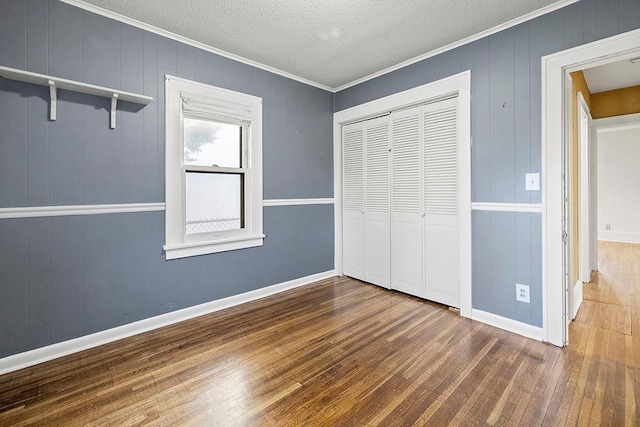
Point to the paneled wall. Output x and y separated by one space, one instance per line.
505 128
507 247
64 277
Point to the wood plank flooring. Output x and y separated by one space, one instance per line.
343 353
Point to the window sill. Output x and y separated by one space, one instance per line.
212 246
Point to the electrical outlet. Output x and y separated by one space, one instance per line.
607 226
522 293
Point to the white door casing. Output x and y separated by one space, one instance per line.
593 197
554 69
584 191
569 205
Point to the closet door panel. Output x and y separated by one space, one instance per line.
353 245
377 203
441 219
378 250
353 224
442 251
407 254
406 237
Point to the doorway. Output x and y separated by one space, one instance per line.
557 287
610 304
579 216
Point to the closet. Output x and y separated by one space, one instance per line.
400 201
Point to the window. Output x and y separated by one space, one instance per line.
213 169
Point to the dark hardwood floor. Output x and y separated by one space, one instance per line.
343 353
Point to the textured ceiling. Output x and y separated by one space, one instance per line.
615 75
331 42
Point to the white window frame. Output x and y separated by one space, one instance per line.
178 244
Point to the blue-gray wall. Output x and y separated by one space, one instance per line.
505 127
64 277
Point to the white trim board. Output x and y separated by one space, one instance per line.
507 207
44 211
460 84
297 202
446 86
554 70
54 351
168 34
510 325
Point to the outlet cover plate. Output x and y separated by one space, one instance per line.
522 293
532 181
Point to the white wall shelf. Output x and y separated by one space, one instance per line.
55 83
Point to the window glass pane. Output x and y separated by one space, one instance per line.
213 202
212 144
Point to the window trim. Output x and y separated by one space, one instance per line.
177 244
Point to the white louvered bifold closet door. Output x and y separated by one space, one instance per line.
400 201
353 226
406 196
441 222
377 202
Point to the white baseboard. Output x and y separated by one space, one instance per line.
612 236
510 325
43 354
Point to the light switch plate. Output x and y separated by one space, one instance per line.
532 181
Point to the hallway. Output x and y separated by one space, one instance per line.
606 335
610 301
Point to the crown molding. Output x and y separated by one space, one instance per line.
524 18
168 34
138 24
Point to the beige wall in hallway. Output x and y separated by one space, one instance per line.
615 102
